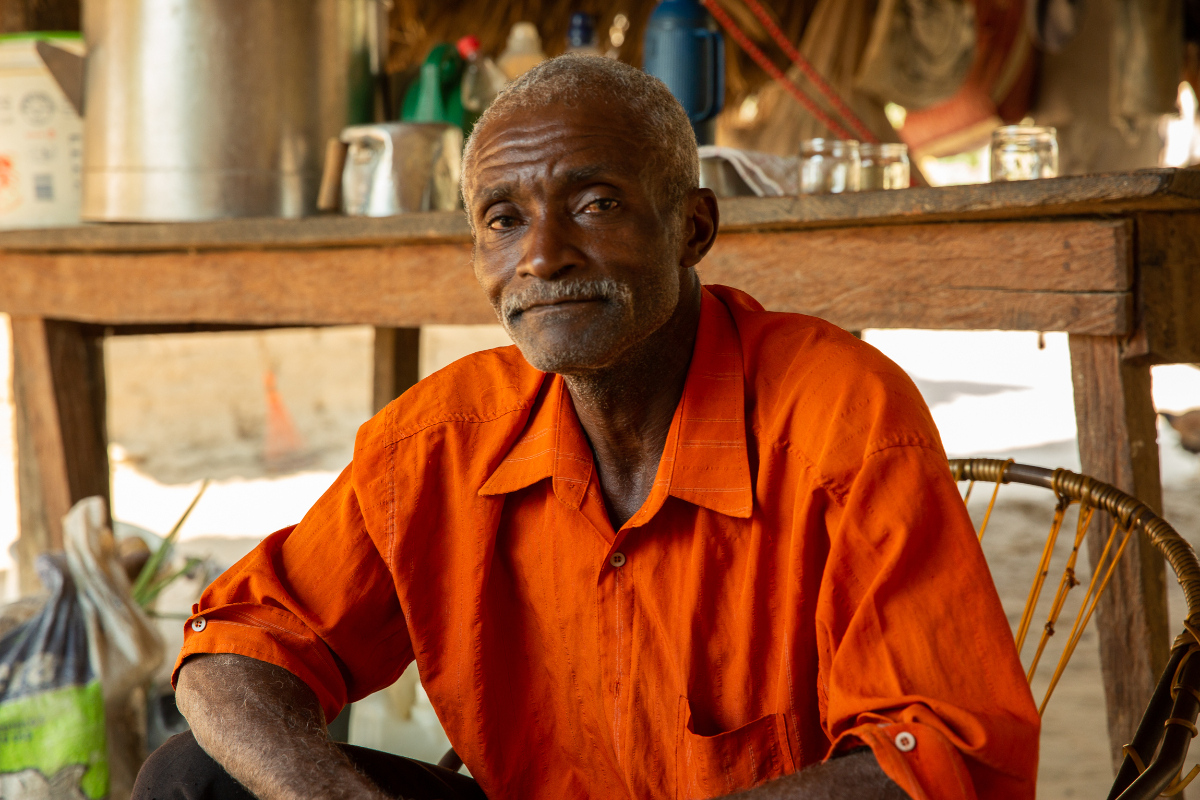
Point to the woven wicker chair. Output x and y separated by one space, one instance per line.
1169 722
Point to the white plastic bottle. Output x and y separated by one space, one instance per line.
41 137
523 51
482 79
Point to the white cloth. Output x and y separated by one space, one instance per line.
767 175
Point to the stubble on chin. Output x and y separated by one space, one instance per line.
567 355
629 315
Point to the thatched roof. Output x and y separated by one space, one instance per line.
417 25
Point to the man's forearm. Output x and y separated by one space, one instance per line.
265 727
855 775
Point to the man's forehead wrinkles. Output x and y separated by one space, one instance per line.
573 167
516 154
525 150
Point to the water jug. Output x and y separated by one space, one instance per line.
684 49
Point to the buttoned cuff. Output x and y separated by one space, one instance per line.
267 634
919 759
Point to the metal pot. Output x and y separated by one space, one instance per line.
200 109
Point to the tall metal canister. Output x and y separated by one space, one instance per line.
202 109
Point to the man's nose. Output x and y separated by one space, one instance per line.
549 251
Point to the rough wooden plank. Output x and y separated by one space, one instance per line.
1168 294
397 363
399 287
1075 256
1144 190
1118 444
960 309
1071 276
1162 189
249 233
60 396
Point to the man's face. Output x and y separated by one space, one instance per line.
572 244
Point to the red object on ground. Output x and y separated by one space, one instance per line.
282 442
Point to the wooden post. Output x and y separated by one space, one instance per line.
397 353
62 447
1118 444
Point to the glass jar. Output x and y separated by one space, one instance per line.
884 166
829 166
1024 152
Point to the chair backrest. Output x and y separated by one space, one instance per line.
1169 722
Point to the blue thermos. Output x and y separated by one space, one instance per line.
684 49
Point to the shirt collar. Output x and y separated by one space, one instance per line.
705 461
552 445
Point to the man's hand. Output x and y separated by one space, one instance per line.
855 775
265 727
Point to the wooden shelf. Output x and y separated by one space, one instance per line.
1158 190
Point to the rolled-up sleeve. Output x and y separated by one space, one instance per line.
316 599
917 657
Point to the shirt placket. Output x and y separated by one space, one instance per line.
616 612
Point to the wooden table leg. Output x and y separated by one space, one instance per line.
1118 444
397 356
62 447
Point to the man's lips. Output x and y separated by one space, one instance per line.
560 305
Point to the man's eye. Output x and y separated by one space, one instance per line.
500 223
602 204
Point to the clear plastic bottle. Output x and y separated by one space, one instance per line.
581 35
482 79
523 51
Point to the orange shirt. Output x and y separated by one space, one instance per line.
802 579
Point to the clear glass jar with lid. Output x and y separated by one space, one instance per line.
884 166
829 166
1024 152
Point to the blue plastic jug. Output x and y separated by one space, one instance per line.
684 49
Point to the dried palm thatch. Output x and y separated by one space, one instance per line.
834 39
417 25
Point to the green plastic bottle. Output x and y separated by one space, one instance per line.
436 93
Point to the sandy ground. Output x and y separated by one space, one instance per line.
183 408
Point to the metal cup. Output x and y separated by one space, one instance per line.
400 167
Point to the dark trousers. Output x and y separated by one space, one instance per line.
181 770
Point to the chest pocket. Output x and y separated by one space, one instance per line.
714 766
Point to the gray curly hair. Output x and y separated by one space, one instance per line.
572 79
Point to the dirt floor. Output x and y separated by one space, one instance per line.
183 408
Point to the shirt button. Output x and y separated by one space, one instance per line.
905 742
199 624
617 559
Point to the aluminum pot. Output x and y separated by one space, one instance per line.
201 109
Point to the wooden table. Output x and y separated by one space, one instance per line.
1113 260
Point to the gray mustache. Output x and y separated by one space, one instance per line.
561 291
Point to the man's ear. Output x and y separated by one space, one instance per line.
701 218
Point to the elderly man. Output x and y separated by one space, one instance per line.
670 545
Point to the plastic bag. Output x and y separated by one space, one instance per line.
72 705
